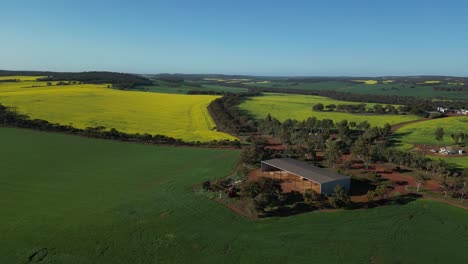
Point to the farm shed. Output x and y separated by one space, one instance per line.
322 180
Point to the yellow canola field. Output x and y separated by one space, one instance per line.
367 81
21 78
87 105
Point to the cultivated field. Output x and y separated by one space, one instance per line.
389 87
284 106
424 133
20 78
188 86
68 199
88 105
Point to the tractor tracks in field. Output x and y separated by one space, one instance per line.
190 119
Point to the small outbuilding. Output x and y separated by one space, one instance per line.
321 180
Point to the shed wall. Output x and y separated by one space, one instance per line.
327 188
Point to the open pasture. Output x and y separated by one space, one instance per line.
89 105
424 133
68 199
189 86
284 106
388 87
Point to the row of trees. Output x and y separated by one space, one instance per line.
227 116
451 89
357 108
118 80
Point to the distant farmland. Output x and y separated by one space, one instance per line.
387 87
88 105
284 106
68 199
424 133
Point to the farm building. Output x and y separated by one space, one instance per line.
321 180
450 151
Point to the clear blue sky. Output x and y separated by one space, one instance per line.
349 37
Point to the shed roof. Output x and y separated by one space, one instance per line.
305 170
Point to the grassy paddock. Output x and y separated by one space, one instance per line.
89 105
184 88
68 199
388 87
424 133
284 106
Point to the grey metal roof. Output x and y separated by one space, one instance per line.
305 170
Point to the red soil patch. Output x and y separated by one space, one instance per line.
274 144
289 182
401 182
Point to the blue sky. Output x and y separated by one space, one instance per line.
360 38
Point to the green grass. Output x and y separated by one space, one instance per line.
460 162
284 106
164 87
424 133
93 201
388 88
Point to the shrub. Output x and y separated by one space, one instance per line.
311 197
207 186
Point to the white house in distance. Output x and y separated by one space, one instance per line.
456 111
451 151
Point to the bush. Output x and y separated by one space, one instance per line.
339 198
374 176
311 197
207 186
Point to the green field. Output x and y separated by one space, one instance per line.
88 105
284 106
68 199
187 86
388 88
424 133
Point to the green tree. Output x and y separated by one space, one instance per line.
311 197
332 153
318 107
420 179
439 134
339 198
331 107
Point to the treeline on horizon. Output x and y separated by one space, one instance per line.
410 101
118 80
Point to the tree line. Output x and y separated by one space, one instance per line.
228 117
357 108
118 80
